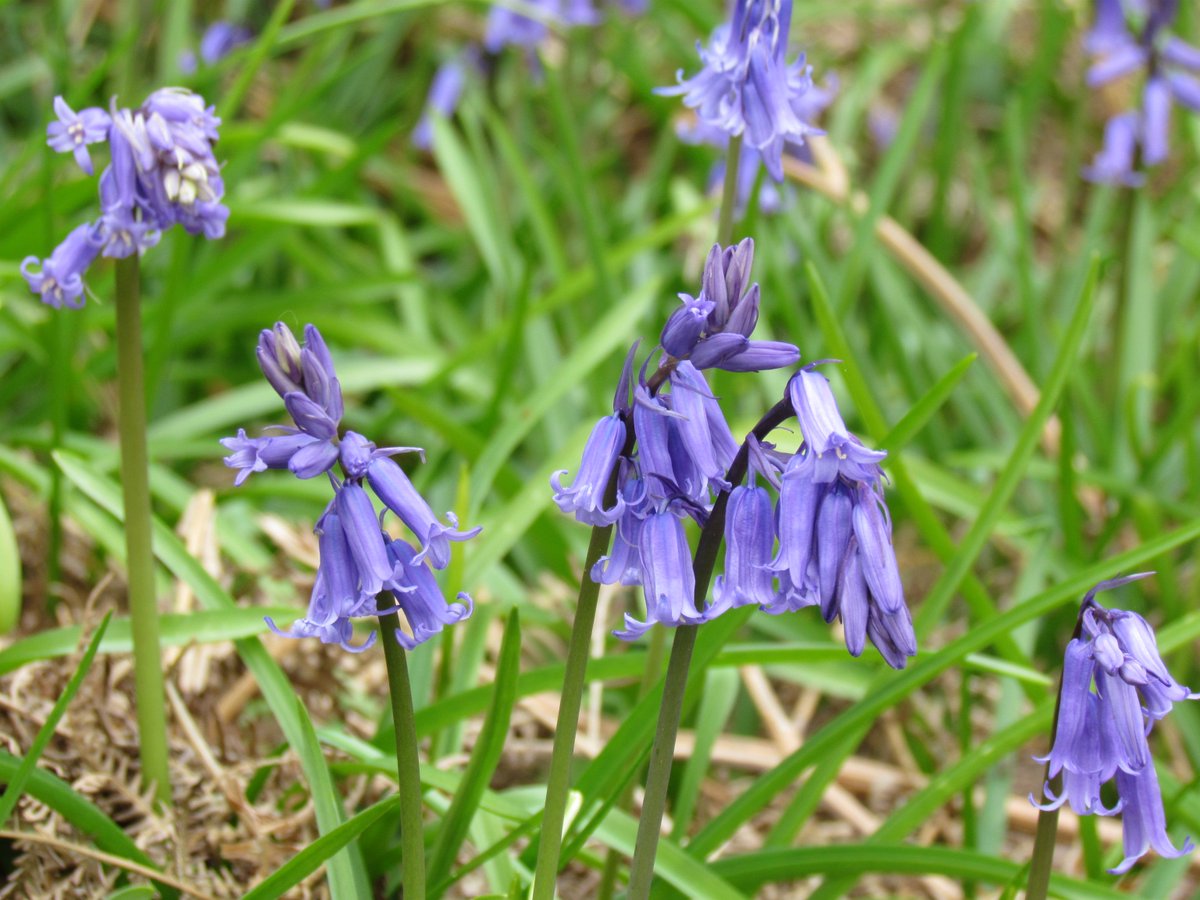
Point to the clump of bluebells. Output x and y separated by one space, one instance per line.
825 541
746 88
1114 688
358 559
162 172
1132 37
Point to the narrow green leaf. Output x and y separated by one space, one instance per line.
303 211
751 870
1027 441
315 854
10 573
16 784
462 175
178 630
484 757
922 411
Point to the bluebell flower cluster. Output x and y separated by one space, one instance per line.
1130 37
747 88
162 172
1114 688
771 197
504 28
825 541
358 559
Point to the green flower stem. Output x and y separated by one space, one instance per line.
139 562
729 192
641 873
655 803
408 764
654 658
1041 862
550 844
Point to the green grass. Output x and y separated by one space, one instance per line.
479 301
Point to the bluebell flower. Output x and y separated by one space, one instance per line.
73 132
418 595
585 496
60 281
337 596
749 542
746 87
358 559
668 581
219 40
162 172
444 95
1114 688
1171 67
506 27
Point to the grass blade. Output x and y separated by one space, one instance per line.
315 854
484 757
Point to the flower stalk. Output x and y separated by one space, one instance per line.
729 192
139 557
408 763
567 724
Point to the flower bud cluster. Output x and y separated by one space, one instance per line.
358 559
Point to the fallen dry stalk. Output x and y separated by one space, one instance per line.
832 181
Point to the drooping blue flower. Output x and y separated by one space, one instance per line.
1132 37
835 534
749 542
337 596
219 40
60 281
507 28
358 559
419 597
162 172
1114 688
745 86
668 581
444 94
585 497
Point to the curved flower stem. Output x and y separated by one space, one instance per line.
654 804
729 192
557 786
139 556
408 763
